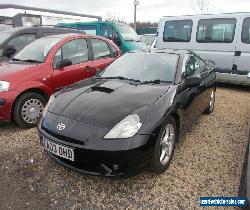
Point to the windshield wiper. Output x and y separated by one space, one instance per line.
156 81
16 59
32 61
119 77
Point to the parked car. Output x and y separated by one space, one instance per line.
149 40
224 38
123 35
244 188
45 66
128 117
13 40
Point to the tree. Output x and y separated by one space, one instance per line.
201 6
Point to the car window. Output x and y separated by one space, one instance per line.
106 31
91 30
100 49
177 31
75 50
220 30
22 40
245 34
192 67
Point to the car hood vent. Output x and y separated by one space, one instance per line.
101 89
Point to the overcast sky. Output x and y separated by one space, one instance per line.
148 10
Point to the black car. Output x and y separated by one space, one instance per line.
13 40
131 115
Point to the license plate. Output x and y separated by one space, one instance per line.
58 149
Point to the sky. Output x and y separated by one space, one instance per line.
147 10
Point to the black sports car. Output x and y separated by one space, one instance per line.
130 115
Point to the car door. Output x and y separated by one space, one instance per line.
191 98
242 54
103 54
77 52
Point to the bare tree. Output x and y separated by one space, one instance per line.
201 6
111 16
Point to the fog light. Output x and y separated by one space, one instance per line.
115 167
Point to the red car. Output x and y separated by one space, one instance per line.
46 66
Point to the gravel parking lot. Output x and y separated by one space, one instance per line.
207 162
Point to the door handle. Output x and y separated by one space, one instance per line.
237 53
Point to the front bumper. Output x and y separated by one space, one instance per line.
6 102
110 163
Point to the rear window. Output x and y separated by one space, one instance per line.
245 34
219 30
177 31
91 30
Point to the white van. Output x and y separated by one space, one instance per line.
223 38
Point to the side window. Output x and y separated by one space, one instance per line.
22 40
100 49
192 67
75 50
107 31
91 30
177 31
219 30
245 34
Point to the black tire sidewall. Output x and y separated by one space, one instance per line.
208 110
156 165
17 115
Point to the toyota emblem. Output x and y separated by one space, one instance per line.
60 126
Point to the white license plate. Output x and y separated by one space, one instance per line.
58 149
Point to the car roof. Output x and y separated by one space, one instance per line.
50 28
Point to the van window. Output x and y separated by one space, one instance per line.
245 34
100 49
91 30
177 31
219 30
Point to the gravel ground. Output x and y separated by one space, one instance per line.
207 162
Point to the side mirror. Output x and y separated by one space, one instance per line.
9 51
117 41
192 82
63 63
248 75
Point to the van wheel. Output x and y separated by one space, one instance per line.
210 107
164 147
28 108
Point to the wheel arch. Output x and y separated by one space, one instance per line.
29 90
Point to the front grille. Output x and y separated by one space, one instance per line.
64 138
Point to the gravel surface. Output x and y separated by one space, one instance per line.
207 162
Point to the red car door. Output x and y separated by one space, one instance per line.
71 64
103 53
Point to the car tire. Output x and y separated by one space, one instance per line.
167 137
27 109
211 104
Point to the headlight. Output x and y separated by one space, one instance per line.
126 128
4 86
51 99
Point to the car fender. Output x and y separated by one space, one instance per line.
29 85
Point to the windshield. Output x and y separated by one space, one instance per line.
37 50
144 67
128 33
148 39
4 36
